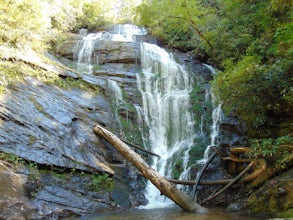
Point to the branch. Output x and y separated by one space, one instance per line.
202 183
229 184
193 25
139 148
201 172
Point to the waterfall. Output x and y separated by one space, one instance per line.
127 32
116 90
165 88
217 116
84 50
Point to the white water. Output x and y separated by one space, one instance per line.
116 90
217 116
84 52
127 32
165 87
84 49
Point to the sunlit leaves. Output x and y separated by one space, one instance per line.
21 22
178 23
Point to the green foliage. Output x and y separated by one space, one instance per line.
179 26
22 23
38 23
69 83
276 151
14 72
101 183
254 46
92 16
11 158
255 92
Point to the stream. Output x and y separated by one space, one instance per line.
171 213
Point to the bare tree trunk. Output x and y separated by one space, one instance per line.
165 187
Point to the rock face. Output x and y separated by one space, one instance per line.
116 52
49 126
107 51
52 128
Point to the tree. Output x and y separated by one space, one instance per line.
22 23
179 25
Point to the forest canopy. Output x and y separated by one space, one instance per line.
37 23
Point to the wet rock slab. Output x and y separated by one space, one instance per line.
46 125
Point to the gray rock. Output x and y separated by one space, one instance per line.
117 52
107 51
57 200
49 126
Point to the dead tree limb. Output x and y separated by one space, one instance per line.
139 148
201 183
261 166
201 172
229 184
166 188
240 150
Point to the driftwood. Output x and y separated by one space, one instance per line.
236 159
229 184
201 172
240 150
165 187
260 168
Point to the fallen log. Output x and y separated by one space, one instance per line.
260 168
165 187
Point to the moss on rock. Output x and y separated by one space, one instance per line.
275 196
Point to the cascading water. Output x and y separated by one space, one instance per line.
217 116
83 51
127 32
118 100
165 88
